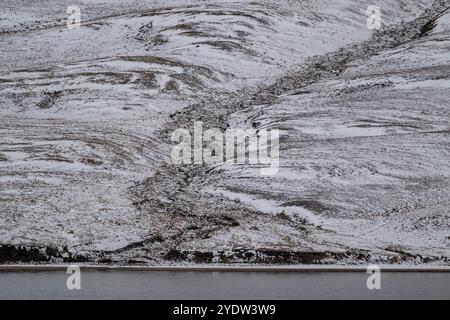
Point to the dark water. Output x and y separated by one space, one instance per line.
223 285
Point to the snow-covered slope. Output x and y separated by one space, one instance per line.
84 154
365 155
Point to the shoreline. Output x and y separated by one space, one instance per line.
200 268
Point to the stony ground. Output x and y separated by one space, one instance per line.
86 114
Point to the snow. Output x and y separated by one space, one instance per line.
364 155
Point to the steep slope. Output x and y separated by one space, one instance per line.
85 168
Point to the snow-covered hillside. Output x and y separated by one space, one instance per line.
86 116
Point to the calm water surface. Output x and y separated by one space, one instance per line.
223 285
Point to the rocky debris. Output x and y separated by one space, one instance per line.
32 253
158 40
145 32
272 256
49 99
261 256
171 86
